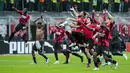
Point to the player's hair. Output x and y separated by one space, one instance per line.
39 25
91 19
109 18
84 13
26 11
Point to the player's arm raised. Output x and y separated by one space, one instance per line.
110 16
18 11
104 15
93 17
75 11
72 19
95 35
41 17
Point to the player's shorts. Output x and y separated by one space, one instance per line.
38 45
102 50
90 42
79 37
70 37
57 46
19 27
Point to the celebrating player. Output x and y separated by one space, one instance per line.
23 21
40 42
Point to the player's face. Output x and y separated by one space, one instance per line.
85 19
100 19
25 10
88 20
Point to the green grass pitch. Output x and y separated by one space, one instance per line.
22 64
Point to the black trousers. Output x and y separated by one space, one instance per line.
54 7
86 6
99 6
47 6
31 6
116 7
105 6
40 6
125 9
79 6
95 8
79 37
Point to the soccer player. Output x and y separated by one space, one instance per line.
118 45
40 42
81 40
110 25
81 19
103 47
73 49
88 33
58 40
101 19
23 21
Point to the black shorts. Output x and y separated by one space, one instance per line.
102 50
19 27
79 37
57 46
35 48
90 42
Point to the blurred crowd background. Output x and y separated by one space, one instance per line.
65 5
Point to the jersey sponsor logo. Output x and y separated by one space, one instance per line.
20 47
